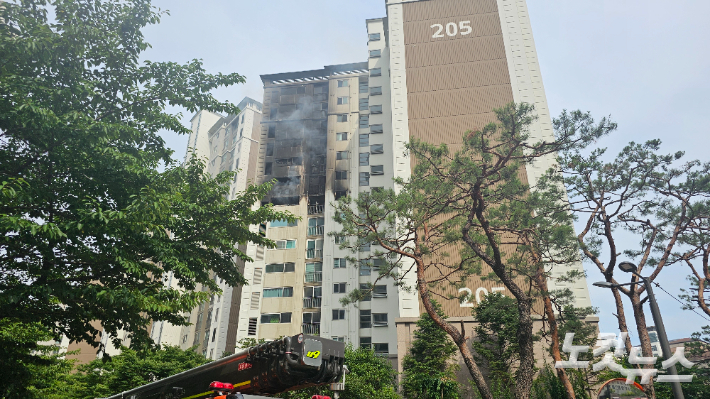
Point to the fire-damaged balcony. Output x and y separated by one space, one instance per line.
316 209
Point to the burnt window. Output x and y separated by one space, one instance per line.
341 175
323 106
272 131
340 194
270 149
301 90
273 111
268 168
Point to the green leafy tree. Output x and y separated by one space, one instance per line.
495 344
371 377
89 225
472 199
659 200
27 364
427 368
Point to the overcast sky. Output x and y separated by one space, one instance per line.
645 63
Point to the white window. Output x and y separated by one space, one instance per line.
286 244
269 318
342 100
364 140
343 83
375 109
373 37
377 149
379 319
340 155
280 292
375 53
339 288
377 170
364 178
379 291
364 103
343 118
338 314
340 263
341 136
283 223
287 267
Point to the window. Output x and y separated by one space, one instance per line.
364 178
343 83
377 149
364 140
366 342
342 118
342 100
320 89
365 269
338 339
377 170
382 349
341 175
364 121
376 72
269 318
366 288
272 131
373 37
252 326
311 318
375 109
341 136
364 247
340 155
375 53
377 262
240 132
365 319
281 292
243 118
364 102
376 91
323 106
270 149
340 263
268 168
363 87
287 267
214 334
339 288
379 319
286 244
340 194
376 128
339 239
314 272
338 314
283 223
364 158
379 291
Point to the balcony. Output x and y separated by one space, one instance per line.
314 254
311 303
316 230
314 277
311 329
315 209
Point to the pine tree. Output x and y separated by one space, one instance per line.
428 372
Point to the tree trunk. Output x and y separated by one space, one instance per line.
640 318
526 371
458 337
554 334
621 317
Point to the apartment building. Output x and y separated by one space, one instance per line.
434 69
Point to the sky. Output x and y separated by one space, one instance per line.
643 62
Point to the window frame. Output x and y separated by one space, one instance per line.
341 136
375 53
377 170
375 90
374 37
377 148
342 288
341 175
342 100
338 314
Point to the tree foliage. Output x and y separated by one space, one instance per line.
89 224
472 199
371 377
428 372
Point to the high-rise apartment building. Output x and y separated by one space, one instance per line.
225 143
434 69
